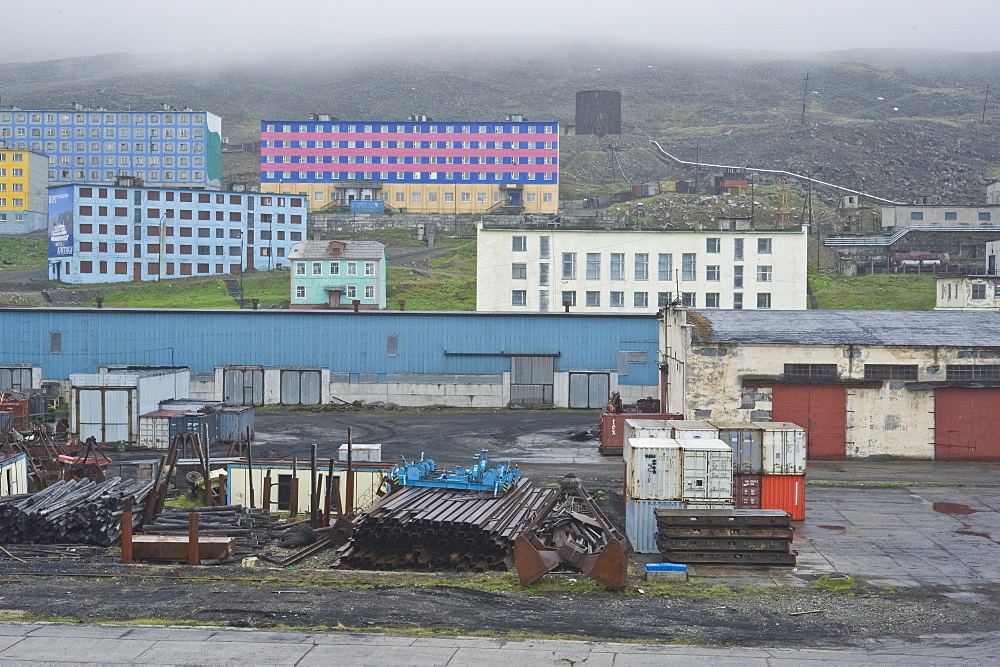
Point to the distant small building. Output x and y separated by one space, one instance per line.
972 292
24 201
336 274
926 212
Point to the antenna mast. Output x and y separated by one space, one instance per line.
805 96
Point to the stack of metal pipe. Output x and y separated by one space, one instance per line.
72 512
251 527
443 529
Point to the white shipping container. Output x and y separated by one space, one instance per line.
653 469
691 429
640 522
154 428
107 406
644 428
707 469
361 452
783 448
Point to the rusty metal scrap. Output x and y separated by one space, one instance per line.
443 529
761 537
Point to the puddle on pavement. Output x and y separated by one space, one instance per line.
953 508
832 527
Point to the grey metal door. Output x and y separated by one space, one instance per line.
589 390
15 378
300 387
243 385
531 380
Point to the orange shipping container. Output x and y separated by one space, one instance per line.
784 492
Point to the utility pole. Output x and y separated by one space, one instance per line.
986 98
805 96
697 160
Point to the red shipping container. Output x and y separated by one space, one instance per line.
784 492
613 428
19 408
746 492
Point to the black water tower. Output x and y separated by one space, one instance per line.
599 112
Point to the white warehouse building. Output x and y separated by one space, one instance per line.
624 271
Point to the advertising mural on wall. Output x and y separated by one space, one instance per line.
61 223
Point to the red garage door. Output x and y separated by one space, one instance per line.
822 411
967 424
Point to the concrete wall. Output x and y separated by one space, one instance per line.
895 217
957 293
890 421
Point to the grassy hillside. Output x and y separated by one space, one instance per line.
175 293
448 284
18 253
876 292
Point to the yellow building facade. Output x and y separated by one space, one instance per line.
24 202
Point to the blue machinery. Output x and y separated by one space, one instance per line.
498 479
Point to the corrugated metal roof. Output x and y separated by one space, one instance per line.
352 250
855 327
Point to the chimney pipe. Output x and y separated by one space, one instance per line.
566 305
255 302
402 304
356 305
100 302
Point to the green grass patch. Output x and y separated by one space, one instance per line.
835 582
273 288
18 253
174 293
874 292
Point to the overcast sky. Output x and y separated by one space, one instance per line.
49 29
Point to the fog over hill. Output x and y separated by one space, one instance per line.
897 123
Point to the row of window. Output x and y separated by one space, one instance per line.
713 245
189 196
350 291
14 217
109 135
187 214
14 187
168 249
316 268
900 372
152 268
405 175
14 157
713 272
982 216
447 145
102 118
202 232
14 201
195 176
977 291
327 128
593 299
401 159
141 161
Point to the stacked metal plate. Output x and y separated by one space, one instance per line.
733 537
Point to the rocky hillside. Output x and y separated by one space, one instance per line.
896 123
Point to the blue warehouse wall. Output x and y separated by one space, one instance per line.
64 341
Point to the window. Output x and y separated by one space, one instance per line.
688 266
569 298
973 372
543 274
466 196
763 274
519 271
415 197
890 372
641 266
317 268
300 268
400 196
665 266
738 301
984 216
640 299
519 243
352 268
449 196
369 291
300 291
712 273
617 299
543 301
811 371
519 297
689 299
764 301
738 277
979 291
713 245
569 266
712 300
352 291
916 215
663 299
763 246
543 247
618 266
950 215
593 299
593 266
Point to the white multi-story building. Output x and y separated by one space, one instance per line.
618 271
